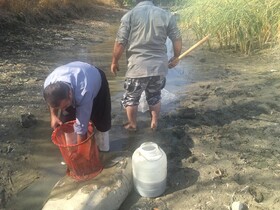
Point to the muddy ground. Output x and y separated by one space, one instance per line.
221 138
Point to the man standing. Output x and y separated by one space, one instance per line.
79 91
142 33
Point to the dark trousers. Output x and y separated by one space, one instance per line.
101 108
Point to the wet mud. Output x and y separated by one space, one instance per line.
220 133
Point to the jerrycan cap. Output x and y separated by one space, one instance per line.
150 151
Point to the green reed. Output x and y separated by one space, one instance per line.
245 25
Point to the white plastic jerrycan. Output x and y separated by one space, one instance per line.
149 169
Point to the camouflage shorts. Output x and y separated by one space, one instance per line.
135 86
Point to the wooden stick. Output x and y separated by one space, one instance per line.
193 47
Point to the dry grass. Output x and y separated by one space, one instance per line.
31 5
14 12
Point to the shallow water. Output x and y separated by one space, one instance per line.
48 155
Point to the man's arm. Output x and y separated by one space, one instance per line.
117 53
83 114
177 48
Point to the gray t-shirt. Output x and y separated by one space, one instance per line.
143 31
85 82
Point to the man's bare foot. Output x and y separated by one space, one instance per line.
153 126
154 111
129 127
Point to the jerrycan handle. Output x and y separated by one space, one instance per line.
150 151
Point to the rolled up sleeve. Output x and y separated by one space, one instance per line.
173 30
124 30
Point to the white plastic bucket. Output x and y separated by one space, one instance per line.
149 169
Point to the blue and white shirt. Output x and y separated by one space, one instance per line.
85 82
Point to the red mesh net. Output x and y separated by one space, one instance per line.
82 159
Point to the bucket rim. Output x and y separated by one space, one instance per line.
53 136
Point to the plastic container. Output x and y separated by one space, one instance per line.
149 169
82 159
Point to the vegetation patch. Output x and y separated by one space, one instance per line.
244 26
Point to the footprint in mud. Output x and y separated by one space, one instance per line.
148 204
257 195
27 120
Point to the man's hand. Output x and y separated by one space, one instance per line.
114 68
173 62
55 122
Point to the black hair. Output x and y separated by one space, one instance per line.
56 92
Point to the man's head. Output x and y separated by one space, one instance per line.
58 95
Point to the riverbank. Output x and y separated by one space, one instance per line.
227 150
28 53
